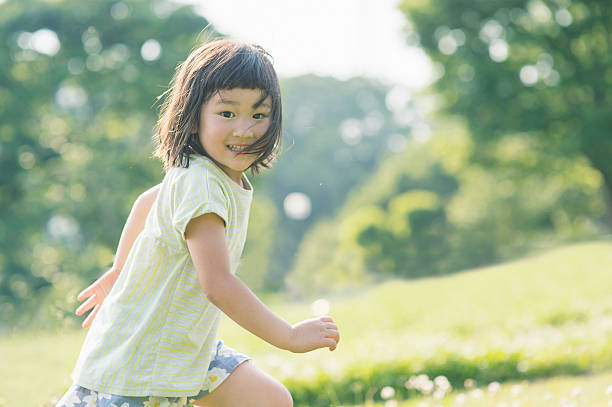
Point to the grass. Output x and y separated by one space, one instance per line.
544 315
563 391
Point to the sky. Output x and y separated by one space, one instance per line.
340 38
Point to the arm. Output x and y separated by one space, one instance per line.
134 225
98 291
205 237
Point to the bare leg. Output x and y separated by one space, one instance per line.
247 386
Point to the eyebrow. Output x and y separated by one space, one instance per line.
233 102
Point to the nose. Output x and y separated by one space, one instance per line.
244 129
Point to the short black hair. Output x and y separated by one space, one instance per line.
218 65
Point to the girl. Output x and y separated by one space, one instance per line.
155 314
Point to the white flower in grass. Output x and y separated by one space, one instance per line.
91 400
442 384
460 399
476 394
427 387
157 402
439 394
494 387
609 390
387 392
516 390
577 392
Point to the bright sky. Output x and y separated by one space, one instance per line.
341 38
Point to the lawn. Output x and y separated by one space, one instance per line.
564 391
548 314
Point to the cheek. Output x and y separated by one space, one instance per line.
262 128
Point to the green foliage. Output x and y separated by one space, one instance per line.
334 136
76 133
431 211
533 69
76 130
255 263
320 267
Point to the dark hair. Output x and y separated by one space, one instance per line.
217 65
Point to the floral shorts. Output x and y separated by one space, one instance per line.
225 361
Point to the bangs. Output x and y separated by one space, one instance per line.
245 68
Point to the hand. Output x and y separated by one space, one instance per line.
96 292
313 334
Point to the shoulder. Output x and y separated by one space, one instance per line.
200 170
199 180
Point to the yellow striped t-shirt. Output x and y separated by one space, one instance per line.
155 334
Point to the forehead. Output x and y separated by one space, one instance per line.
242 97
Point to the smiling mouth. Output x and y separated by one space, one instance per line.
236 148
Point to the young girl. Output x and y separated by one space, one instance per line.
156 312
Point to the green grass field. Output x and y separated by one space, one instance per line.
548 314
576 391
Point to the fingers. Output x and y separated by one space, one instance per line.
90 317
85 293
333 332
87 305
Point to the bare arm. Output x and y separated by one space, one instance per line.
134 225
205 237
98 291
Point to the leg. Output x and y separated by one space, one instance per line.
247 386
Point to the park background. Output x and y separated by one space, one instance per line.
452 211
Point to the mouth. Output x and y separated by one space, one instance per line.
238 148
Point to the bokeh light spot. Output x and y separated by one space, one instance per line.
563 17
498 50
150 50
529 75
62 226
297 206
351 131
320 307
119 11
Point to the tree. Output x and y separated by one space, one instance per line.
77 83
534 68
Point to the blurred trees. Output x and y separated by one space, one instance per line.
335 133
78 82
430 210
77 85
535 69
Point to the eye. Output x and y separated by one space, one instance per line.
259 116
227 114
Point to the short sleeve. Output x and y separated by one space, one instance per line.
196 193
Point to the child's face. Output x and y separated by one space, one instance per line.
230 120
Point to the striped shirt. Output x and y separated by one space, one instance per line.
155 334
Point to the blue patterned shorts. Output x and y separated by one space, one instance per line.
225 361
